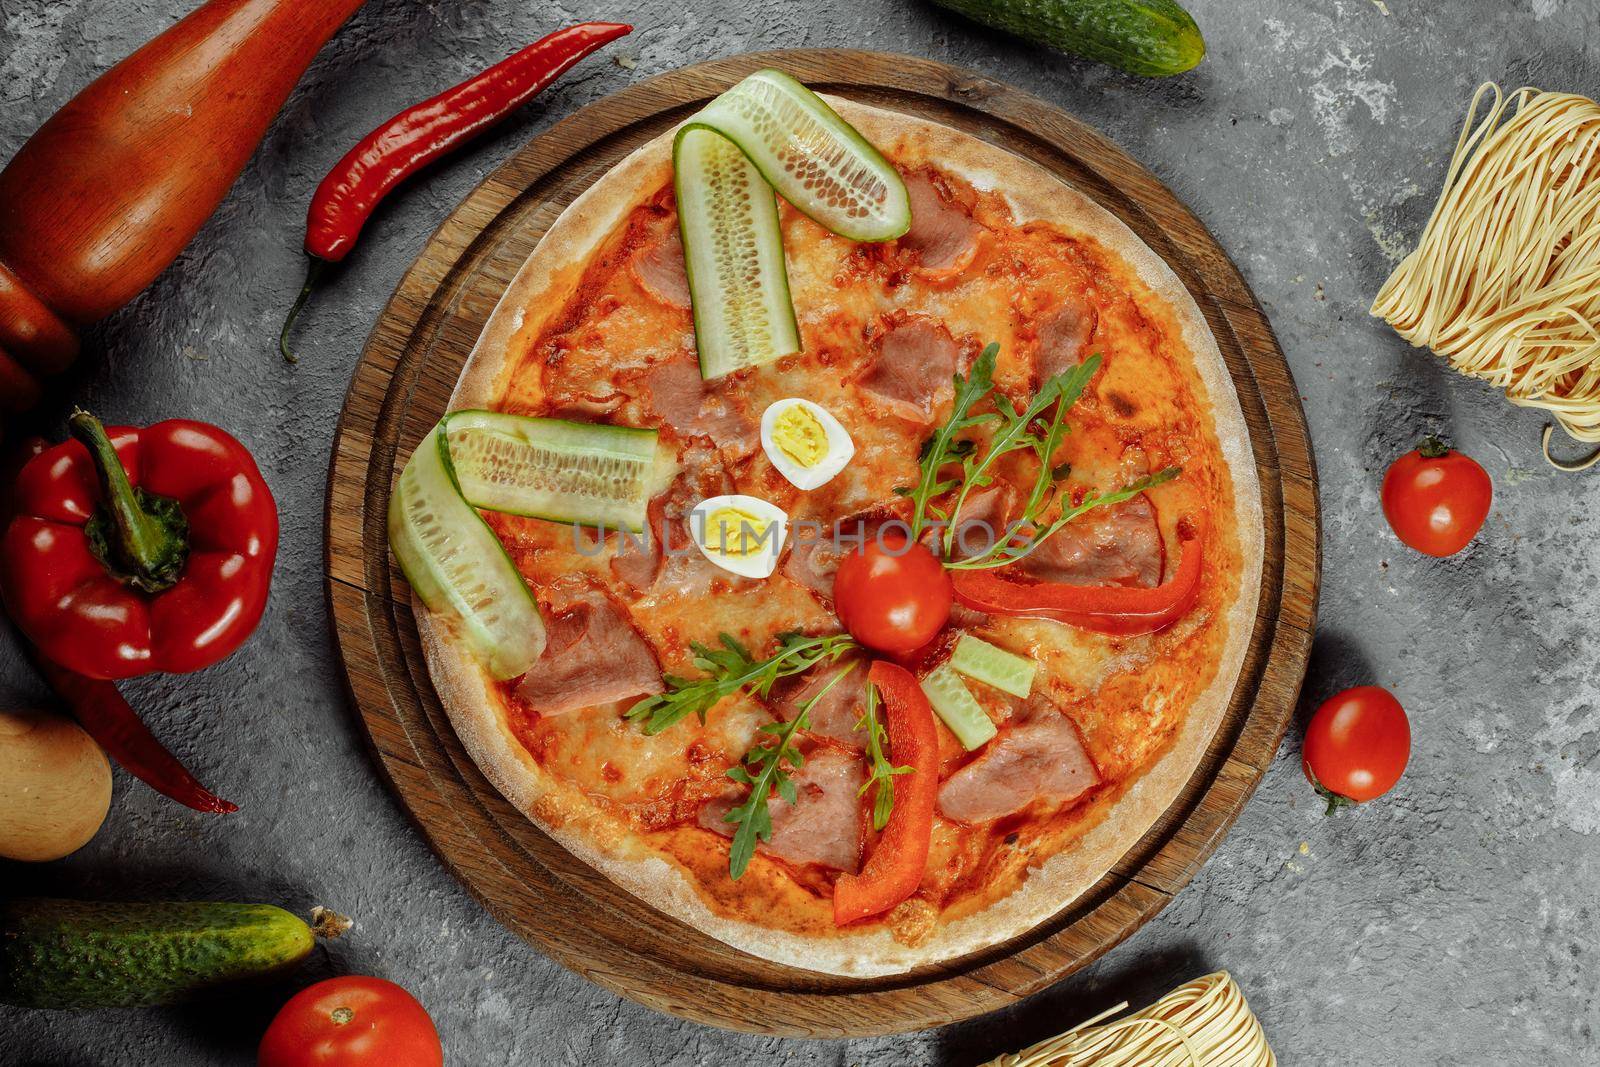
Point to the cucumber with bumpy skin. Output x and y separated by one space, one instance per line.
733 253
1150 37
77 955
457 565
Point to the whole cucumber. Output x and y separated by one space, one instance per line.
1152 37
75 954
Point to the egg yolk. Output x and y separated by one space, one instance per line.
735 532
801 436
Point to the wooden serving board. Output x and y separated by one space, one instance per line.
536 887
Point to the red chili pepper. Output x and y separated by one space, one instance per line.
421 134
139 550
898 862
116 727
1107 609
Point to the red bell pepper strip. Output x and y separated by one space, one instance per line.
898 862
116 727
1107 609
419 135
139 550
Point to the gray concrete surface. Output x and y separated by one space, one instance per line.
1450 923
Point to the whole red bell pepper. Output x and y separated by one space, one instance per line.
139 550
900 858
1107 609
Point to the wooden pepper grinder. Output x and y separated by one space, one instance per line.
108 191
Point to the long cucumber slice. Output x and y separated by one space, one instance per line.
953 702
816 160
733 253
983 662
457 565
574 472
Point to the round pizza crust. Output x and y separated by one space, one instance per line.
606 844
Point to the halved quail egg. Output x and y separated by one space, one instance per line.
741 534
805 442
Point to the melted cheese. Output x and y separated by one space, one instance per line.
1126 695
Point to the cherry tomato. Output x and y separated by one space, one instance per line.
1436 498
892 596
351 1022
1357 745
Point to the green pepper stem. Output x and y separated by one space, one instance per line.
149 547
314 273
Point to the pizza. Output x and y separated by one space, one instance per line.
1037 789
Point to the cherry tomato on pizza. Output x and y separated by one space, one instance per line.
1436 499
1357 745
352 1021
893 595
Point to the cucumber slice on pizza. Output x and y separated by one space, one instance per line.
733 254
814 159
458 567
768 133
553 469
583 473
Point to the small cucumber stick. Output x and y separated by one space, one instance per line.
983 662
954 703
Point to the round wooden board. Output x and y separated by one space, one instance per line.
536 887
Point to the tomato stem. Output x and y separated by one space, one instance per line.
1335 800
1433 447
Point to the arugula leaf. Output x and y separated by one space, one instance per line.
1027 429
1011 551
753 818
943 448
1070 387
730 669
883 771
1017 431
